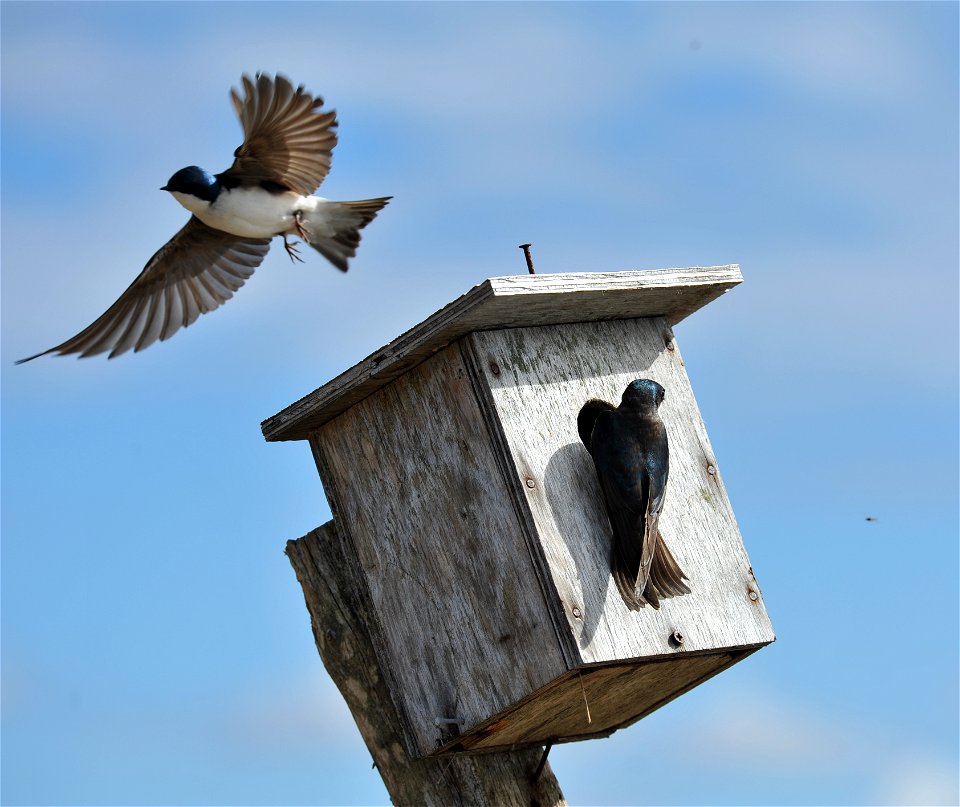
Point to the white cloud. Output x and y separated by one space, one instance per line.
920 779
783 736
833 50
759 729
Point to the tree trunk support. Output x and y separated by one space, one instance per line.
337 600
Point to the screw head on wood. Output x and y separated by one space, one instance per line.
753 596
711 470
676 639
577 613
531 483
494 368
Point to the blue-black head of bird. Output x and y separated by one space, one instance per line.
643 394
194 181
630 451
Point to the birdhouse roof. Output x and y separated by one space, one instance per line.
510 302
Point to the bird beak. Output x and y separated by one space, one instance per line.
164 188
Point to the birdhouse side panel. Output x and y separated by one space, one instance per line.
410 475
537 380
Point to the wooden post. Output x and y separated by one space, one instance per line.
336 597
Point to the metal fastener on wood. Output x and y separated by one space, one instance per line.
711 470
577 612
676 638
754 596
446 721
531 483
494 368
526 254
543 761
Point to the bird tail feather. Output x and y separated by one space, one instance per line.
666 579
626 584
333 228
666 576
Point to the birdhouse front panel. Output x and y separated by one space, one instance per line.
412 477
538 380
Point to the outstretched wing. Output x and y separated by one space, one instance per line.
196 271
287 139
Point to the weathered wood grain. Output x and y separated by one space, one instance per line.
506 302
596 701
411 475
339 610
537 381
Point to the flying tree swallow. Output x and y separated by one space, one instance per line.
629 447
268 191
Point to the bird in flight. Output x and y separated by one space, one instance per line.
268 191
629 447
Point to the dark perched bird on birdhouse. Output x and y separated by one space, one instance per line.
629 447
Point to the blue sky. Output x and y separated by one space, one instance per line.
155 646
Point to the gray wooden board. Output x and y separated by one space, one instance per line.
595 702
539 378
410 475
504 302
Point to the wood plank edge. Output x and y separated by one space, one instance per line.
452 748
636 279
296 421
569 650
274 427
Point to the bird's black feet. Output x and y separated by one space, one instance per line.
291 248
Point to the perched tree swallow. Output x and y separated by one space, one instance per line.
285 155
629 447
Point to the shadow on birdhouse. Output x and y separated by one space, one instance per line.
489 530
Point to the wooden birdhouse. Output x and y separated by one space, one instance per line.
453 466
